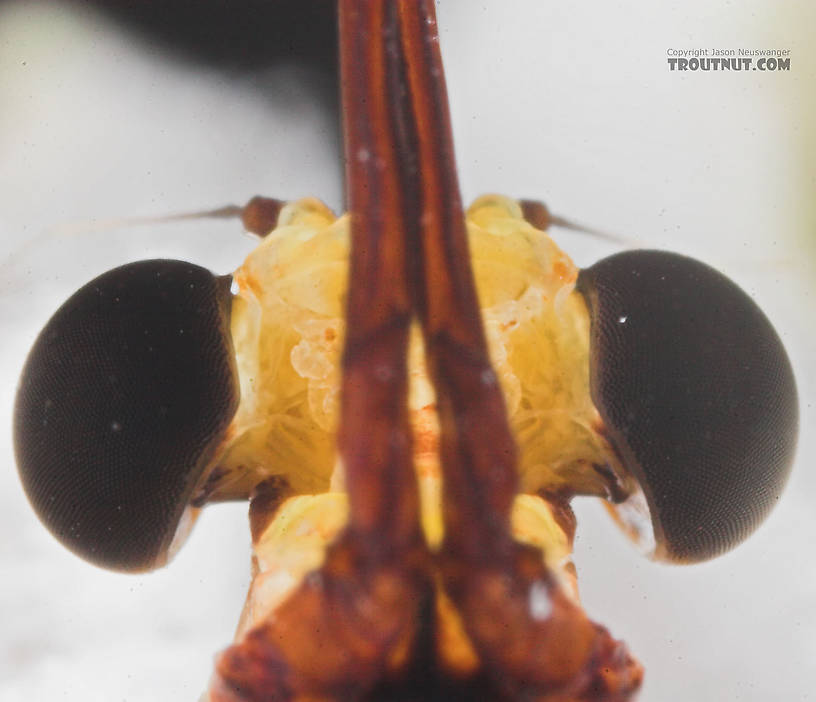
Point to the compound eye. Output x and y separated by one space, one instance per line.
697 395
123 399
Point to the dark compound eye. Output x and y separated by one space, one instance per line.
124 397
697 394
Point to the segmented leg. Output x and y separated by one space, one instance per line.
351 621
532 638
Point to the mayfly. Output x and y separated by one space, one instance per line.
428 555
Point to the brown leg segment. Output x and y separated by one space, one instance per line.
532 639
350 622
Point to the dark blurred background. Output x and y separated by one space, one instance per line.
231 35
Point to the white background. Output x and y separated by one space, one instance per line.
569 102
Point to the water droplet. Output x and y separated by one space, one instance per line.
539 601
